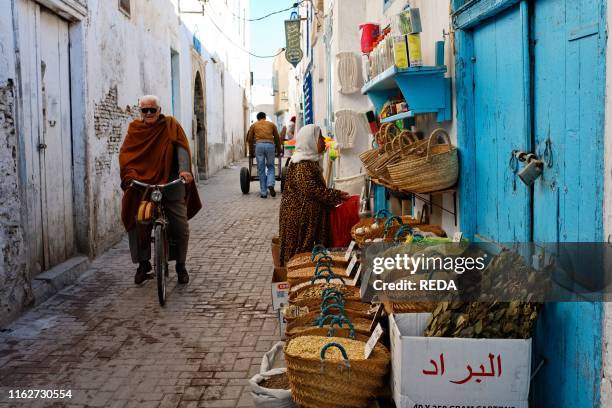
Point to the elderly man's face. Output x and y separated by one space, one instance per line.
149 112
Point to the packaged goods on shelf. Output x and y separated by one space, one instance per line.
414 50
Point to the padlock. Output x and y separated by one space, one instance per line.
532 170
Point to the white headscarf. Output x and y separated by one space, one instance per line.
306 144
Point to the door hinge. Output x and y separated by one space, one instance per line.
42 146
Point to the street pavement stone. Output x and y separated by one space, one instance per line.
112 345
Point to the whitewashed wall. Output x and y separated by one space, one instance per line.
140 66
227 77
15 288
114 59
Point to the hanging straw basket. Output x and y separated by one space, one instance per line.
437 170
332 371
393 153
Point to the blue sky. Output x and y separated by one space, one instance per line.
267 35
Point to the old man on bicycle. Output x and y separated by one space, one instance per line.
156 151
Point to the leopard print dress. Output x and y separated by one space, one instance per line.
304 210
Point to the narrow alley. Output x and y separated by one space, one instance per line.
111 344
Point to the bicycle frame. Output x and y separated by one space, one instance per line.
160 224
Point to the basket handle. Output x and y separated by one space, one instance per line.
333 344
382 213
431 137
324 258
337 322
320 267
389 223
402 230
338 298
330 275
331 292
337 306
318 249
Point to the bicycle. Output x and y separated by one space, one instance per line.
160 238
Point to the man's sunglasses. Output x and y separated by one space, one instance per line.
148 110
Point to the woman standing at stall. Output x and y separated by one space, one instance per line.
306 203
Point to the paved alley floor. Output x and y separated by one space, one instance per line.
111 344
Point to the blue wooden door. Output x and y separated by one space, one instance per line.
568 43
501 100
531 76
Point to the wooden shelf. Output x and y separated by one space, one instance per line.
399 116
425 89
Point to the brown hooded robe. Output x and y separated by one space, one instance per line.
146 155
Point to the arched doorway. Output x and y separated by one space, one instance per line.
199 109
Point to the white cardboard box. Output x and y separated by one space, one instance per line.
280 288
438 371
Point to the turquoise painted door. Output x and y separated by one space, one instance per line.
501 118
535 73
568 43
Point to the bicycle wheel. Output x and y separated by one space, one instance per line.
161 262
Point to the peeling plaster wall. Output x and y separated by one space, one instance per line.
117 77
15 288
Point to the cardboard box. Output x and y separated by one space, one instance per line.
282 323
438 371
280 288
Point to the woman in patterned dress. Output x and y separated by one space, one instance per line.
306 203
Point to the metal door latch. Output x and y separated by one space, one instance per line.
42 146
533 166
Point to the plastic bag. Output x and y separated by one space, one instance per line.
267 397
342 219
275 358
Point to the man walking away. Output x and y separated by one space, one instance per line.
263 139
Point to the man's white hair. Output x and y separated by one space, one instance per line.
150 98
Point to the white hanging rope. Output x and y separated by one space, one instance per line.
348 72
347 125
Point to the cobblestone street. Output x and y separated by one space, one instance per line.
111 344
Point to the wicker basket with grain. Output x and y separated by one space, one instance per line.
298 276
306 294
333 371
408 307
305 259
351 309
358 325
437 170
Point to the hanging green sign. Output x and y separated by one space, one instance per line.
293 51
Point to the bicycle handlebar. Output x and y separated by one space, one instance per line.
160 186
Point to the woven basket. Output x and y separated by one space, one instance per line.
360 325
298 276
310 400
393 153
409 307
340 373
438 170
352 310
386 133
343 332
304 259
306 295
